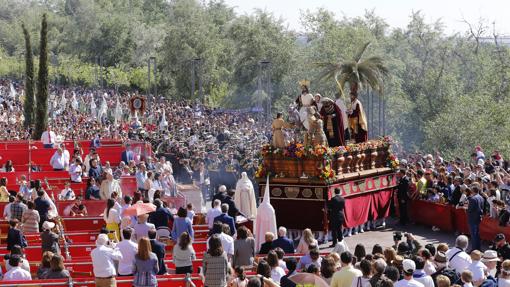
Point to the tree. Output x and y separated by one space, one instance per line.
42 83
356 72
29 81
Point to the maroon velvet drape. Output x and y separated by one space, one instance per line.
359 208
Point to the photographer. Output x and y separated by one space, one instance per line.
407 247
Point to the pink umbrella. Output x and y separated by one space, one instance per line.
139 209
308 279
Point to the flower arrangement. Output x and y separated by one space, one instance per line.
327 173
294 150
261 171
393 162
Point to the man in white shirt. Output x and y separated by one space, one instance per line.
57 161
477 268
48 138
103 265
16 273
409 267
458 259
75 171
128 249
227 242
212 213
108 186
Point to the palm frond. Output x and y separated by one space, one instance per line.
360 53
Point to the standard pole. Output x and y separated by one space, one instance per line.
192 79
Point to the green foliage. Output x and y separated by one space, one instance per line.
29 104
42 83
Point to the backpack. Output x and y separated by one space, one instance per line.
448 272
489 282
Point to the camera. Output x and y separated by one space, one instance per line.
397 236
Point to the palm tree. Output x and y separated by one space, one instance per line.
357 72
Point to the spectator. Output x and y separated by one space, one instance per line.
145 265
183 255
182 224
419 274
443 281
502 246
75 171
359 252
226 219
392 273
24 189
227 242
213 213
18 207
77 208
477 268
312 257
17 251
377 249
467 278
4 193
281 254
429 264
45 264
57 269
244 248
340 247
128 248
215 264
161 218
42 205
30 219
16 273
306 240
268 245
475 212
57 161
8 166
49 239
364 279
346 275
95 170
15 236
240 279
103 264
109 186
328 267
92 191
190 212
48 137
490 259
291 266
142 227
112 220
458 259
67 193
409 267
276 271
264 271
379 268
504 275
283 242
7 208
159 249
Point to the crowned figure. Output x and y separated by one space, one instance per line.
357 120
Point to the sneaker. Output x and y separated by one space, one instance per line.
436 229
361 230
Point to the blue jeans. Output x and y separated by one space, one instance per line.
474 229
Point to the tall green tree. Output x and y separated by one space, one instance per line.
42 83
29 103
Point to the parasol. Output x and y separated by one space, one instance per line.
308 279
139 209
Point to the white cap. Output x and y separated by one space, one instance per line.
490 255
408 265
48 225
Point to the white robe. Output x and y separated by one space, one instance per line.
266 219
306 102
245 197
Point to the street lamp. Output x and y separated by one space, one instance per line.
265 82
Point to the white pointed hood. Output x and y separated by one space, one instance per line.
266 218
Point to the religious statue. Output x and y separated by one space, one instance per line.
357 120
304 101
315 134
245 197
278 125
333 122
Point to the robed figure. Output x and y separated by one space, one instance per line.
277 126
245 197
266 219
333 123
304 102
357 121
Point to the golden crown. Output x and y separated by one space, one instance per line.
304 83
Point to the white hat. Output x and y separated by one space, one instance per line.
490 255
48 225
408 265
102 239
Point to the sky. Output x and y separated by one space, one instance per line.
395 12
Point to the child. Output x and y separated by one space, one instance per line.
467 278
240 280
67 193
191 213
